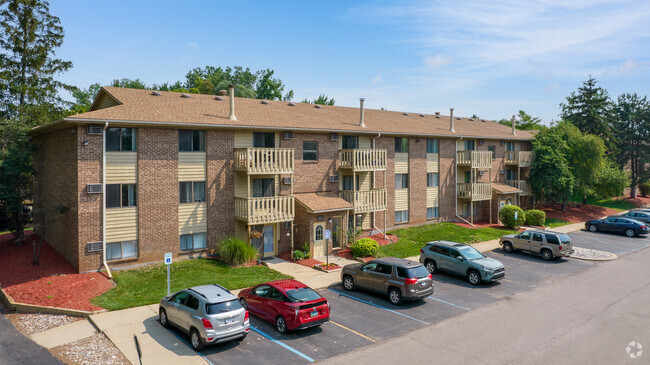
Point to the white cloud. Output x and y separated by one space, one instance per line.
192 45
376 79
436 61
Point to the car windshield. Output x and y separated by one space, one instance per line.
302 295
417 272
565 238
471 253
223 307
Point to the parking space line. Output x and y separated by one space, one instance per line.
490 294
516 282
377 305
353 331
188 345
264 334
452 304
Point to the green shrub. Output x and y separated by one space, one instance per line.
535 217
364 247
306 249
644 188
507 216
298 255
236 252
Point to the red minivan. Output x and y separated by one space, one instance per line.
289 304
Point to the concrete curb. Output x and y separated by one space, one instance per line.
32 308
613 257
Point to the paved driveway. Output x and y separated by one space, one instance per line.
15 348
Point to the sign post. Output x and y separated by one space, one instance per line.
168 262
328 235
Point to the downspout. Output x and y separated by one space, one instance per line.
456 185
373 186
108 271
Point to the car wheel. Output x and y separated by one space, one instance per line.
243 303
547 255
593 228
474 277
629 232
163 318
348 282
431 266
195 339
507 247
281 324
395 296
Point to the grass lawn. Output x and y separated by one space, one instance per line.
554 222
148 285
616 204
414 238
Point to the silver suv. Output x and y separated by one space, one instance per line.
208 313
547 244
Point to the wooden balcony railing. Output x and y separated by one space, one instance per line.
475 159
264 160
519 158
366 200
362 159
476 191
521 185
264 210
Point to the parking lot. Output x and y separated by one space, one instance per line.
360 318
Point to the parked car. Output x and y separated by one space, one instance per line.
289 304
638 215
461 259
400 279
629 227
647 210
547 244
210 314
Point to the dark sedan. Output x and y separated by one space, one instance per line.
629 227
637 215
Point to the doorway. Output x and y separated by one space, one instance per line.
320 243
336 232
269 241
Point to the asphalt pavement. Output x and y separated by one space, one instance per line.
15 348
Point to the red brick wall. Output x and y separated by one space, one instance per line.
447 166
387 143
305 227
221 185
418 180
313 176
498 163
90 205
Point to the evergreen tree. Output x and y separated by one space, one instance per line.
632 131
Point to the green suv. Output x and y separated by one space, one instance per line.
461 259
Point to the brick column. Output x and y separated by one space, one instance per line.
220 182
418 180
387 143
447 192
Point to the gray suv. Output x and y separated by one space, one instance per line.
461 259
400 279
547 244
208 313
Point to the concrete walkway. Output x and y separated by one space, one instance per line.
61 335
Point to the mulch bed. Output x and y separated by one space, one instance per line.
53 283
639 201
308 262
577 213
390 238
480 224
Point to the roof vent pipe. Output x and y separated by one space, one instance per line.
513 126
362 124
451 120
231 91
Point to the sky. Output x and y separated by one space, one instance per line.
489 58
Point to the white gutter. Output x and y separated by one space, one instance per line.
456 185
108 271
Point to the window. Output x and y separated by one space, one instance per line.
468 177
432 179
180 298
491 148
432 145
262 290
319 233
401 145
510 174
274 294
552 239
120 139
510 146
432 212
192 302
384 269
369 267
401 216
469 145
347 183
525 235
310 151
191 191
121 250
401 181
121 195
191 141
439 250
264 139
537 237
222 307
453 253
194 241
350 142
359 221
263 187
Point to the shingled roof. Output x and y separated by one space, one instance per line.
142 107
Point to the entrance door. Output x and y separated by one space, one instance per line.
319 240
336 232
269 238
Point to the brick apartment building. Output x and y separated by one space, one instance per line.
144 173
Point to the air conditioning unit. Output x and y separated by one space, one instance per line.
286 181
94 246
94 188
287 135
334 137
334 178
94 129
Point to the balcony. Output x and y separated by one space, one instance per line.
476 191
264 161
474 159
521 185
264 210
362 159
519 158
365 201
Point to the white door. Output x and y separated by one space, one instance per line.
319 240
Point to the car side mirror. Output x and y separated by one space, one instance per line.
459 258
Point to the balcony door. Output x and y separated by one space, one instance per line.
269 240
264 139
263 187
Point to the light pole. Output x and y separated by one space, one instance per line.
327 243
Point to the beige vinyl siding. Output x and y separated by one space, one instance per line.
366 221
460 177
241 185
401 199
106 102
192 218
244 139
241 231
191 166
121 224
517 146
401 163
364 142
432 196
460 145
121 167
432 162
364 181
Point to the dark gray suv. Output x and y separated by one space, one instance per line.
400 279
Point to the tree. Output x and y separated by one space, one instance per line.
129 83
550 177
610 181
29 36
322 100
632 131
592 111
524 122
84 98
